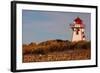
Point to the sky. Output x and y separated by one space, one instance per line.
39 26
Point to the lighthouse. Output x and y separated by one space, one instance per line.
78 29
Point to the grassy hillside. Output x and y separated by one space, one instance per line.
56 50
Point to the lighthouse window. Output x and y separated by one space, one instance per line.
82 32
78 29
77 32
83 36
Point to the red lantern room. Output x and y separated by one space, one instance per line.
78 21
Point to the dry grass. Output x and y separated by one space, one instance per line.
56 50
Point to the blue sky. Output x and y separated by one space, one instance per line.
38 26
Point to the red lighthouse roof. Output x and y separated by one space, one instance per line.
78 21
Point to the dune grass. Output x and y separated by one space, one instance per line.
56 50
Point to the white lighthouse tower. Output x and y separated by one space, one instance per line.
78 30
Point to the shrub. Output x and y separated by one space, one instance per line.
39 51
83 45
32 44
27 50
